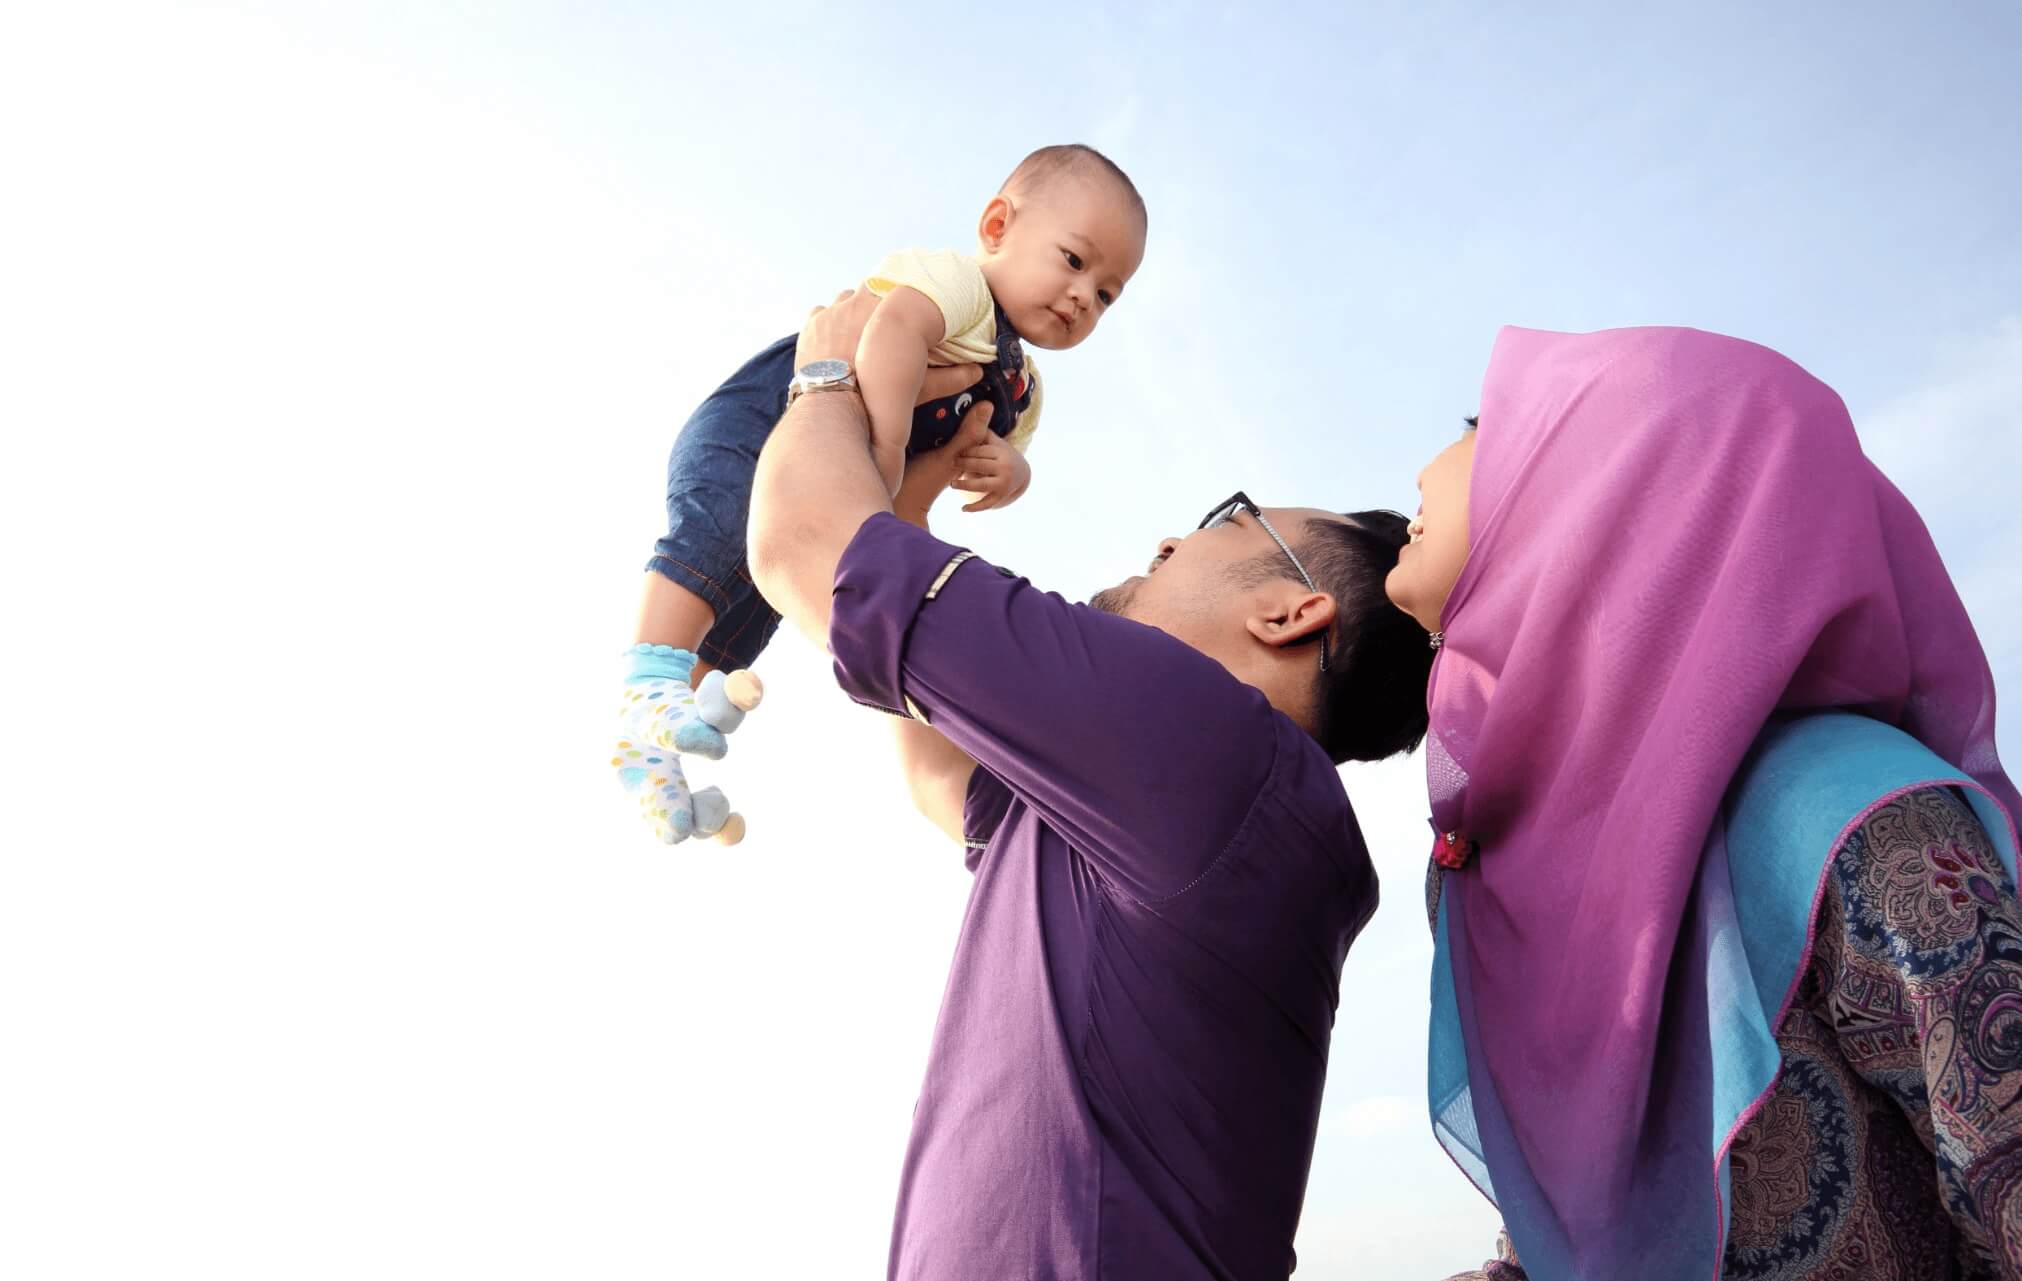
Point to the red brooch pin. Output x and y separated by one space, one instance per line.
1452 849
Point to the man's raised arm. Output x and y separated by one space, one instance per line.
817 480
937 772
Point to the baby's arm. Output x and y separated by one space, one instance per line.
891 362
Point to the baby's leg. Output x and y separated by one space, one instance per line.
695 584
696 572
670 614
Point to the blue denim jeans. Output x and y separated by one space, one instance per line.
709 500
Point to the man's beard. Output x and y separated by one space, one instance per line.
1114 600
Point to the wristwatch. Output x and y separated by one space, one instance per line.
821 375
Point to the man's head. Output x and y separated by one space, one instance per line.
1059 241
1231 591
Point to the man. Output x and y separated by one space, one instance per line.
1126 1074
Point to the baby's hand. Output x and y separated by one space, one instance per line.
996 471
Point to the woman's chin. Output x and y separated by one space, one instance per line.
1397 586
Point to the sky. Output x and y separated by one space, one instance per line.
343 346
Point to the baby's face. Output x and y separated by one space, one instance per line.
1062 259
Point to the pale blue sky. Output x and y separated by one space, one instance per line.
346 344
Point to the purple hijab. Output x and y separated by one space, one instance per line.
1674 535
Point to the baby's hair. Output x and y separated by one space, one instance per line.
1069 160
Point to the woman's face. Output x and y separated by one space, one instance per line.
1430 563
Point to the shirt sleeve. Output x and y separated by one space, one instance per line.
955 284
1143 753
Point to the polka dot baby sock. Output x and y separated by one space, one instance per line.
660 719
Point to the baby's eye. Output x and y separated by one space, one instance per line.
1073 259
1106 296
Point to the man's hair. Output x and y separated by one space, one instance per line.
1049 165
1370 702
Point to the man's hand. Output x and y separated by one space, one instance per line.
833 332
929 473
996 471
816 481
836 331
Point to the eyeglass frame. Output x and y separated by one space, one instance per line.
1239 500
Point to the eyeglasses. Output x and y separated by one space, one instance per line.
1225 512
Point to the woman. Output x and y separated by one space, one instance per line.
1729 969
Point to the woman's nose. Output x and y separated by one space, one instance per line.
1167 546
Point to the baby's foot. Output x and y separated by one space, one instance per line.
662 718
655 778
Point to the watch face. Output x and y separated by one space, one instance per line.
823 371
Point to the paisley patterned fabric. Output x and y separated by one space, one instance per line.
1891 1147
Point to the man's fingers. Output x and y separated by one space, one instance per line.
840 299
941 461
975 425
946 380
831 332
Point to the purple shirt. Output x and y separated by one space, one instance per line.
1126 1073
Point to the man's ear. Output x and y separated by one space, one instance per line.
996 220
1294 616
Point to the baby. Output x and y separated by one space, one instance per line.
1055 247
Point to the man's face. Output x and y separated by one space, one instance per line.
1192 588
